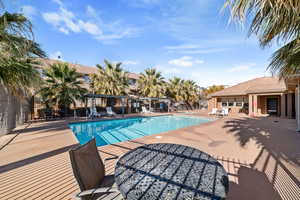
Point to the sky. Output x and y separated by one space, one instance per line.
190 39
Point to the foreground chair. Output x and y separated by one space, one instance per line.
89 172
110 112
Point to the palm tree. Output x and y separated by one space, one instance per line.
190 92
110 80
62 86
17 68
151 83
174 87
213 89
273 20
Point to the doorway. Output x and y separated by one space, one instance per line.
272 106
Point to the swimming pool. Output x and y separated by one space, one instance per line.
114 131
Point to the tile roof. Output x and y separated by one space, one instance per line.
257 85
80 68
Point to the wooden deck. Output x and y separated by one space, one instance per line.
261 158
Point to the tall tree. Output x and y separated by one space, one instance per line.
190 92
17 68
63 86
174 89
273 20
213 89
111 79
151 83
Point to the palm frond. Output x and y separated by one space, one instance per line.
286 60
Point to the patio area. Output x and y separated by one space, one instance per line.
261 156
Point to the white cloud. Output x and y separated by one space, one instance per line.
91 11
90 27
63 30
168 70
141 3
182 46
28 11
57 55
185 61
66 22
204 51
243 67
130 62
192 49
59 2
63 20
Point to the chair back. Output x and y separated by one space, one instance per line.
93 110
144 109
226 111
108 110
87 165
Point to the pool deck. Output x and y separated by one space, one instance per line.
261 156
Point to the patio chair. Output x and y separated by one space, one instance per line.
224 112
89 171
93 112
144 110
214 111
110 112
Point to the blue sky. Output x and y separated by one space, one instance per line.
191 39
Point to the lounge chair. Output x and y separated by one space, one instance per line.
94 113
110 112
144 110
214 111
224 112
89 171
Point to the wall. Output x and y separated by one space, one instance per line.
13 111
234 99
211 103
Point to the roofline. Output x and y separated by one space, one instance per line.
230 95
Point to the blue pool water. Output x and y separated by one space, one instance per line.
114 131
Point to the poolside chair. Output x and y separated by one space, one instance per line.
93 112
89 171
224 112
110 112
214 111
144 110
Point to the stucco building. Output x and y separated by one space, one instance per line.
258 97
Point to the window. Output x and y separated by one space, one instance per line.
86 78
231 102
132 81
41 71
239 102
224 104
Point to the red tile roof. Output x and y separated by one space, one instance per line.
257 85
81 68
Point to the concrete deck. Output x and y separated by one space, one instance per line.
261 155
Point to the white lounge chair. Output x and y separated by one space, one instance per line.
214 111
144 110
110 112
224 112
94 113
